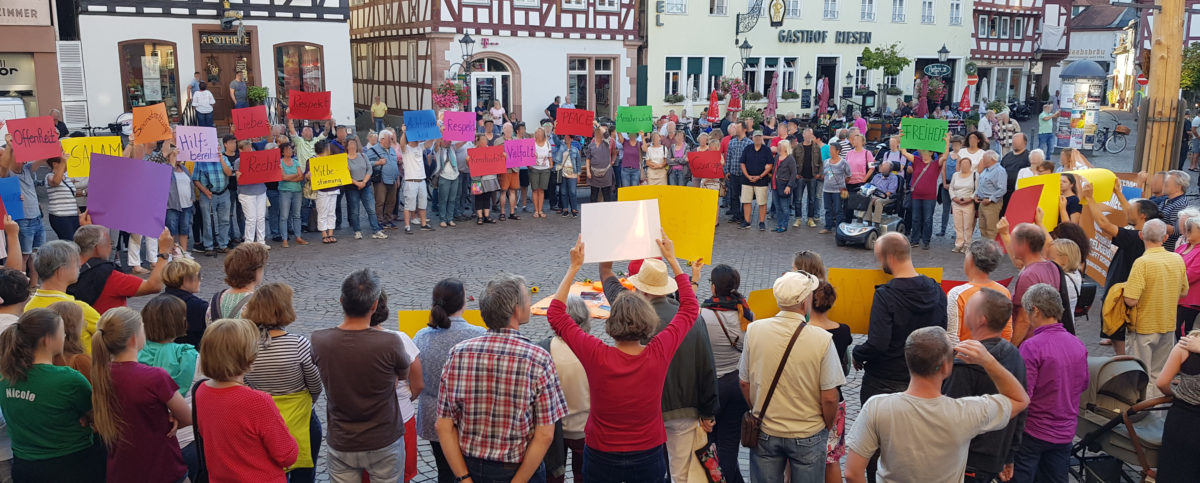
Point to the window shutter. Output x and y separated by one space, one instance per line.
71 83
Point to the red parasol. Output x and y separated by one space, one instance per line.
714 111
965 104
824 105
923 100
735 103
772 97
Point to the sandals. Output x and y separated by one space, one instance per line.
479 220
502 217
325 240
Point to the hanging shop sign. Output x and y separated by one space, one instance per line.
822 36
777 10
937 70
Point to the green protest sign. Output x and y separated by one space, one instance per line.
634 119
927 134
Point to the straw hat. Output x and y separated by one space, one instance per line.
652 278
793 288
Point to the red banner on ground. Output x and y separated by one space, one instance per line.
309 105
250 122
259 167
486 160
706 164
576 122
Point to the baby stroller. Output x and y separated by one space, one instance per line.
1117 425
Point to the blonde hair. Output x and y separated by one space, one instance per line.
785 148
113 333
270 306
179 271
631 318
228 349
1067 248
72 317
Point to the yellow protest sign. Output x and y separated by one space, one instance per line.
329 171
855 289
1102 181
412 321
687 214
79 152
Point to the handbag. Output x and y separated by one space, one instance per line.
707 456
751 424
376 171
477 188
202 467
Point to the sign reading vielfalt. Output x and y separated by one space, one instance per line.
25 12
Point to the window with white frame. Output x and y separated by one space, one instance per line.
898 11
751 75
676 6
1003 28
602 86
787 79
577 82
770 67
867 11
982 31
831 10
993 27
572 4
527 3
793 9
926 11
477 2
891 81
716 7
1018 28
672 77
610 5
955 12
862 77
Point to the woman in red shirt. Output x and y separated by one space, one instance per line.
624 436
924 169
239 430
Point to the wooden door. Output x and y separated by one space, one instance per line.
228 63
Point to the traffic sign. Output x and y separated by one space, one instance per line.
972 79
937 70
1142 79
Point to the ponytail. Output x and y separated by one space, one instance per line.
448 298
19 341
113 332
725 280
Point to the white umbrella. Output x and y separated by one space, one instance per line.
982 94
687 99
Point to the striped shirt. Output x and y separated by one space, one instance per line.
284 365
62 197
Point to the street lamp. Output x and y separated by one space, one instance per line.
744 50
943 53
467 44
808 79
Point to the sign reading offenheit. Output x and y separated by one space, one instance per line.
34 138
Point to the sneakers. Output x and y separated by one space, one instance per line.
379 235
762 226
265 245
407 229
426 227
744 225
812 223
796 224
442 224
824 231
358 235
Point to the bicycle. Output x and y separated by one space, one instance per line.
1112 140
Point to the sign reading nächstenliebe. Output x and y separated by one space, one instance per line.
822 36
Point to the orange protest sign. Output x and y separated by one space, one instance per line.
150 124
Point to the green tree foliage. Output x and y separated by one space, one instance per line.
889 58
1190 78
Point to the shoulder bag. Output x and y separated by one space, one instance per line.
751 424
214 306
377 171
712 315
909 192
202 467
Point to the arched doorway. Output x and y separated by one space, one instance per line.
491 80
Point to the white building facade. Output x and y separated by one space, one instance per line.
694 43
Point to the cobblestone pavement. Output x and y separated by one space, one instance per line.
537 249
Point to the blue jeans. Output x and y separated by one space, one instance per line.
378 124
1046 143
1041 461
203 119
922 226
447 189
782 208
218 208
570 194
32 233
484 471
273 214
617 467
833 209
947 206
237 219
289 213
240 105
383 464
631 177
179 222
677 177
805 457
361 197
809 189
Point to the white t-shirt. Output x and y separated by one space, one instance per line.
413 162
975 158
1025 172
543 155
407 408
203 102
924 440
1195 124
497 115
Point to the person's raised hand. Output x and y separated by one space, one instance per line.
1142 176
697 267
667 247
1002 225
577 253
85 218
10 225
166 242
973 352
1085 191
1038 215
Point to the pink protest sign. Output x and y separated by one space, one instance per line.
520 153
458 126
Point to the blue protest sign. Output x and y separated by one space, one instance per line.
421 125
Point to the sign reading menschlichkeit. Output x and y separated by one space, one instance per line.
822 36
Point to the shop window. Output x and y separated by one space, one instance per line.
590 83
603 78
831 10
671 80
898 11
867 12
1018 28
982 31
299 67
149 75
955 12
577 82
717 7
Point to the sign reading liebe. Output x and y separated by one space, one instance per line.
458 126
80 150
259 167
706 164
484 161
576 122
34 138
150 124
250 122
632 119
520 152
926 134
309 105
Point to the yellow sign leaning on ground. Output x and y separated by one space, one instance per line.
412 321
687 214
855 289
329 171
1102 181
79 152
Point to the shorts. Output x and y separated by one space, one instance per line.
416 195
509 181
1194 145
751 193
835 446
32 234
539 179
524 176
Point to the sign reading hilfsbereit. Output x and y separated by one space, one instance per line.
632 119
576 122
458 126
421 126
309 105
197 144
927 134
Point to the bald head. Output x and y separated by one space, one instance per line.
1030 238
892 250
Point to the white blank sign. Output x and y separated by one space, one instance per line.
620 230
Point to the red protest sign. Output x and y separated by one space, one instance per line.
706 164
309 105
259 167
251 122
576 122
1022 207
34 138
486 160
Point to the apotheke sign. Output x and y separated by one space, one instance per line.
822 36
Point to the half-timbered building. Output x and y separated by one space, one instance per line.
1014 42
525 52
140 52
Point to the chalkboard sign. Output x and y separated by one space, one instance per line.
847 92
806 98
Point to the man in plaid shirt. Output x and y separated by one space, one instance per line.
733 169
497 390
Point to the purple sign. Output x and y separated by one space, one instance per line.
521 152
458 126
197 144
129 194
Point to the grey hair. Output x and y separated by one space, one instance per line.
1154 231
500 298
270 146
1181 178
53 256
88 237
360 292
387 132
985 255
990 154
1041 155
1191 217
1045 299
926 350
578 310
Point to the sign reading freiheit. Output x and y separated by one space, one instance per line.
822 36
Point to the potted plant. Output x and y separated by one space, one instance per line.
895 91
754 96
755 114
790 94
450 94
256 95
733 86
